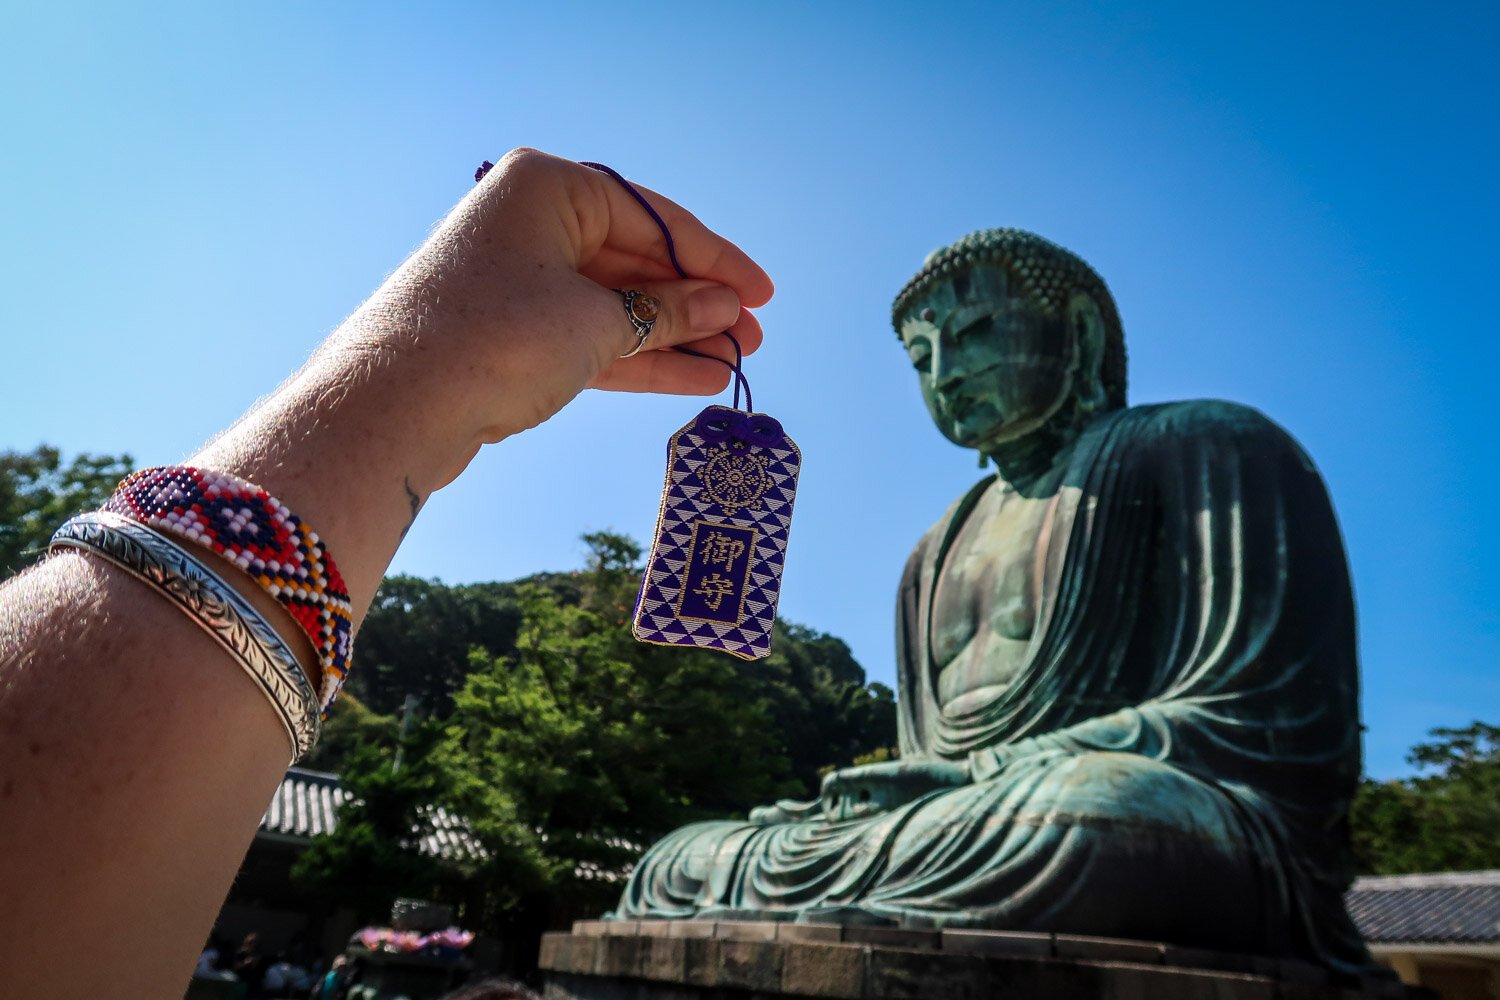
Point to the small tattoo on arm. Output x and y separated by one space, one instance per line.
416 505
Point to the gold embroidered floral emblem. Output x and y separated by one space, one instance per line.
735 480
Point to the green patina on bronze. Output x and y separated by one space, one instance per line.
1126 663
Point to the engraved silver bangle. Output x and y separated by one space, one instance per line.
213 604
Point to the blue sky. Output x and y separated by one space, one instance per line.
1293 204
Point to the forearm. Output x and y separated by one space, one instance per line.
348 444
390 408
138 756
137 763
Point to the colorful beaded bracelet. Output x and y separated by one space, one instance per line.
216 607
254 530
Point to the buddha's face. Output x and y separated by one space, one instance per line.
993 366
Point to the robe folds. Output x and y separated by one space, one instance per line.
1175 759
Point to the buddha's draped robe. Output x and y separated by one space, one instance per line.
1174 761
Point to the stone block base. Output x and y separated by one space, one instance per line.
708 960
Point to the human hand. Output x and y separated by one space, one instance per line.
852 792
507 311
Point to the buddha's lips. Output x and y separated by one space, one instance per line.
961 407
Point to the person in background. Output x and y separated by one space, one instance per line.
250 965
209 962
333 983
285 977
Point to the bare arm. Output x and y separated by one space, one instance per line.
135 758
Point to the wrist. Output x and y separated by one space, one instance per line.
467 347
414 416
346 448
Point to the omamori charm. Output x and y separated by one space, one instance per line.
715 567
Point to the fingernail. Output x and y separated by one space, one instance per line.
713 309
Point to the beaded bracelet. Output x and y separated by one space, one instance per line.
254 530
212 604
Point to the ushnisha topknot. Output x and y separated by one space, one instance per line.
1042 271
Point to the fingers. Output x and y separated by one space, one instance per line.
633 273
666 372
684 311
746 330
611 238
633 237
658 369
616 268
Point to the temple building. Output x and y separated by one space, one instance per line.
1441 931
264 898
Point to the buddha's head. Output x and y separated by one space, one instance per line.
1010 334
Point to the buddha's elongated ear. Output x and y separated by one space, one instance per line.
1086 323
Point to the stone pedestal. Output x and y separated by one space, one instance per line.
708 960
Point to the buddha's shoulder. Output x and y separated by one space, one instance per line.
1192 417
1217 424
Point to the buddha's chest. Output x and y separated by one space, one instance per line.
985 599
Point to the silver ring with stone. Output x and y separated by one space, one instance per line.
643 310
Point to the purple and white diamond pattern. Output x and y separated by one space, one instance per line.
683 503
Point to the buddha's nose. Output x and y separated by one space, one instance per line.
946 370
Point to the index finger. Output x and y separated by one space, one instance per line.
700 251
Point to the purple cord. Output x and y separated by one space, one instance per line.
660 222
739 357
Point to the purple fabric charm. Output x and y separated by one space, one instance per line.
714 572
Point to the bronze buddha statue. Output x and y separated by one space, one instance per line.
1127 671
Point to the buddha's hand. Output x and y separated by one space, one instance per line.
852 792
990 763
785 811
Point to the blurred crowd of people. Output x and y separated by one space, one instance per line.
291 973
295 973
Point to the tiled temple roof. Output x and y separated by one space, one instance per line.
1450 907
305 805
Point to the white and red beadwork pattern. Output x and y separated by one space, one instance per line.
254 530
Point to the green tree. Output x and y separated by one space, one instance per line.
569 746
374 854
38 493
582 746
417 636
827 713
1447 818
351 726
